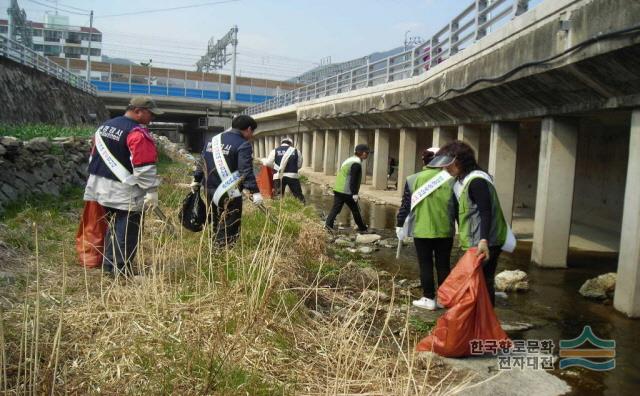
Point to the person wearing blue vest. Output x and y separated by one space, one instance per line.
286 160
226 167
347 187
427 213
481 222
123 179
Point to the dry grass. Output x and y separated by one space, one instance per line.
273 315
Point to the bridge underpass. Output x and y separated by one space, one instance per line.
550 102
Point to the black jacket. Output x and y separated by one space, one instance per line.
238 153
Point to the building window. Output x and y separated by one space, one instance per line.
95 51
4 29
52 50
37 32
52 35
38 47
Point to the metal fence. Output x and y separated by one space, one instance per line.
17 52
472 24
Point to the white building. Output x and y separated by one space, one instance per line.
55 37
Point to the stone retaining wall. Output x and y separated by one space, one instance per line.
40 166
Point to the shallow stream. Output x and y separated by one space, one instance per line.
552 306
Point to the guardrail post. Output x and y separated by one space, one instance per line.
368 79
388 69
453 37
520 7
480 19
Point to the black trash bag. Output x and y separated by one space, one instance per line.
193 213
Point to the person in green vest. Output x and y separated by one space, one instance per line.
347 187
427 213
481 222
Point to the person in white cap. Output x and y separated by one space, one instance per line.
286 161
427 213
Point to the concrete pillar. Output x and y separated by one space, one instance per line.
263 147
344 146
380 159
442 136
272 143
627 295
306 149
502 163
330 143
470 134
317 151
407 160
554 198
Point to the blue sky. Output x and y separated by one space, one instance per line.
276 37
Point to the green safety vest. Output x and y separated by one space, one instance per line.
343 178
434 216
469 218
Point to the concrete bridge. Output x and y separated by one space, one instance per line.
550 102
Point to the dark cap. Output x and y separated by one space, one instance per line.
440 161
145 102
362 148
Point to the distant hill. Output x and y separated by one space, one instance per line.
326 71
117 61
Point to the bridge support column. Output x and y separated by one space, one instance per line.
318 151
442 136
407 160
306 149
470 134
380 159
627 295
344 146
554 198
502 163
330 143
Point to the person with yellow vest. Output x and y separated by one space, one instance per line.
427 213
481 222
347 187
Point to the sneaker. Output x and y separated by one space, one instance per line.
425 303
440 306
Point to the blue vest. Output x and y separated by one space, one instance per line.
114 134
292 164
231 141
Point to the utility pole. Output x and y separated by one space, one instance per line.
234 56
90 40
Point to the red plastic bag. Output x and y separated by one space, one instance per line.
90 235
265 181
470 315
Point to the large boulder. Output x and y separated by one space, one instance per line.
512 281
600 287
367 238
38 145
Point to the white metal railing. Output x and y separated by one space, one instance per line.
472 24
17 52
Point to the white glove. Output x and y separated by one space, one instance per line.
151 200
400 233
257 199
195 186
356 198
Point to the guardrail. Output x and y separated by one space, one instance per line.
17 52
470 25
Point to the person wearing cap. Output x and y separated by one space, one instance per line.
427 213
123 179
286 160
226 167
481 222
347 187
